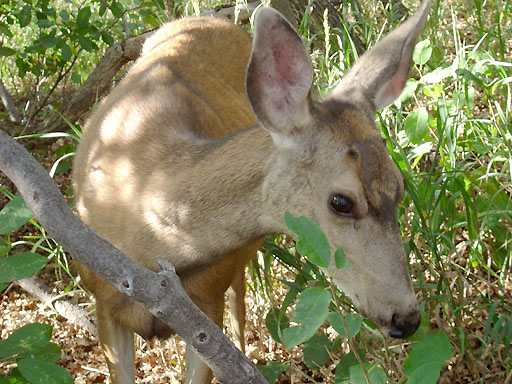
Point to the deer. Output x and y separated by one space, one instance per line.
197 153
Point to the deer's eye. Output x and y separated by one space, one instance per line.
342 205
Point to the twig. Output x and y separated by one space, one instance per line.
72 312
62 75
239 13
80 101
349 339
9 103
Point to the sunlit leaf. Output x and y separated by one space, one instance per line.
83 16
416 125
43 372
311 311
342 373
30 337
340 258
422 52
316 351
275 322
4 51
272 370
352 321
25 16
311 241
14 215
375 374
20 265
427 357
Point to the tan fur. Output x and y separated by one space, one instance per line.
207 286
173 165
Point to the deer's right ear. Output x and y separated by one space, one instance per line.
279 77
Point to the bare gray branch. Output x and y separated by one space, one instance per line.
9 103
160 292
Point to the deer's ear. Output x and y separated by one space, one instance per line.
380 75
279 77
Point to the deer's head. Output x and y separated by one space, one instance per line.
332 164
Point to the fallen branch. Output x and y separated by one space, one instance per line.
71 312
160 292
239 13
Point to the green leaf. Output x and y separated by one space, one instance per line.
66 52
83 16
28 338
316 351
65 149
159 4
22 66
4 30
272 370
85 43
50 41
4 51
11 380
117 9
422 52
5 247
341 260
470 76
102 9
14 215
310 302
311 241
342 372
311 311
275 322
50 352
45 23
62 167
352 321
416 125
107 37
75 76
409 89
427 357
375 374
21 265
42 372
433 91
25 16
64 15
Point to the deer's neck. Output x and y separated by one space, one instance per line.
217 204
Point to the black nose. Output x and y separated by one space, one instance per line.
403 326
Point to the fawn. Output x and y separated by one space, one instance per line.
210 137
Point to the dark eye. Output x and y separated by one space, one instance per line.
343 205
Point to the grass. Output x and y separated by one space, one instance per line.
451 139
451 136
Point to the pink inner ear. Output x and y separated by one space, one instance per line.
393 88
280 73
396 85
286 71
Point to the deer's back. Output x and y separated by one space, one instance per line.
210 57
136 147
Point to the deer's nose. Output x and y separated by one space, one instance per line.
404 325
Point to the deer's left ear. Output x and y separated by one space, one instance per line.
380 75
279 77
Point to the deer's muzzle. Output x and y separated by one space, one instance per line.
403 326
